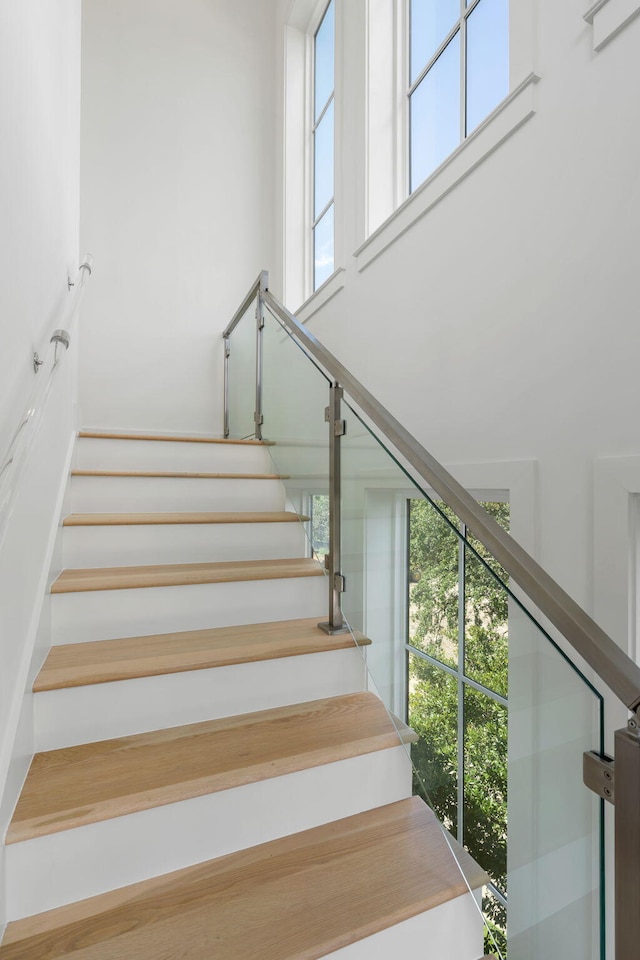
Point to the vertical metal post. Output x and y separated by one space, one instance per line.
335 624
627 842
227 351
258 415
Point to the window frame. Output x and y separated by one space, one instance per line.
458 673
459 28
390 209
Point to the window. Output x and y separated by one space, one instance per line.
458 73
323 148
319 526
457 643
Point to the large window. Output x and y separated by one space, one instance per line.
458 73
323 148
457 690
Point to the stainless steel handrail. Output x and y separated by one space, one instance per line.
608 660
260 284
256 292
16 454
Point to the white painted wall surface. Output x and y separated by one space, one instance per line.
177 200
39 171
39 123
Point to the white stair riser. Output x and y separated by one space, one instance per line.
173 494
99 454
110 614
451 931
105 711
112 546
64 867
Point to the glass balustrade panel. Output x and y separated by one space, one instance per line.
502 715
242 376
295 394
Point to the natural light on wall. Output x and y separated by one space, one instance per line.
323 148
458 73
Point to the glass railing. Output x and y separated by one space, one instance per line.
242 375
501 713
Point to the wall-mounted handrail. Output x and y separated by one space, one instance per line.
608 660
16 455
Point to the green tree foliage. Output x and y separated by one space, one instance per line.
438 614
320 525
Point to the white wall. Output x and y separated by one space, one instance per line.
39 116
177 200
39 178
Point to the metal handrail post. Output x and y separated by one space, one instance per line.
227 351
335 623
627 842
263 286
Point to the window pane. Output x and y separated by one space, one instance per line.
435 114
319 526
323 162
433 714
431 21
487 59
486 604
324 60
323 249
485 784
433 583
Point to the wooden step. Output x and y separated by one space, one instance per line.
109 435
102 661
296 898
182 574
143 519
98 781
179 474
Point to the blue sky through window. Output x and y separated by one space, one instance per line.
440 111
435 114
323 249
324 162
431 21
487 59
324 60
323 148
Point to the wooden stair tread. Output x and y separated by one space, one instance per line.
144 519
102 661
183 438
296 898
179 474
182 574
74 786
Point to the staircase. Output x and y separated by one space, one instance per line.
213 777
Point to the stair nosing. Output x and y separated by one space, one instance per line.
95 579
168 438
179 474
174 518
151 661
